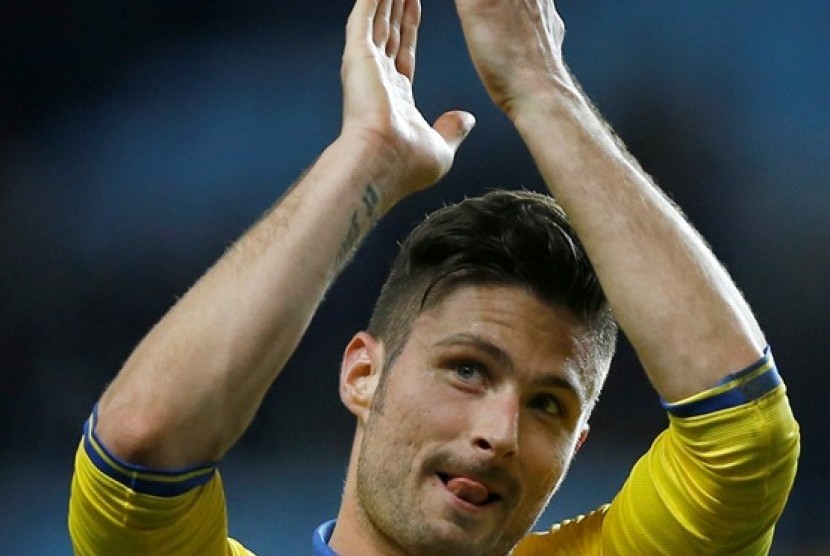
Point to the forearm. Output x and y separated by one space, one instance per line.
675 302
194 383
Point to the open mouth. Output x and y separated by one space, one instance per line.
469 490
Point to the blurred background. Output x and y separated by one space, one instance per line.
139 138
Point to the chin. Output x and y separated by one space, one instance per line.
451 538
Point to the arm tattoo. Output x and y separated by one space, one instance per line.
362 219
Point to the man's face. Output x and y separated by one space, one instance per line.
480 417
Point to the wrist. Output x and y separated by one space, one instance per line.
555 99
375 162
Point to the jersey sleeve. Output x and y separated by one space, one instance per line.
714 482
581 536
118 508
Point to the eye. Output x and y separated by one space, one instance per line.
548 404
470 372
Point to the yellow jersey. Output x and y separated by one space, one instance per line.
714 482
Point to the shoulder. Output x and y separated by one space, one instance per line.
581 536
115 508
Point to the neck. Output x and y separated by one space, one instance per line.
355 534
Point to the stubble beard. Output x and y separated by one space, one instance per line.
399 520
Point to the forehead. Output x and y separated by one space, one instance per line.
537 338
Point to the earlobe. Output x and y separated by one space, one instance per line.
359 373
583 436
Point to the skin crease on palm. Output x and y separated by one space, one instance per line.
475 425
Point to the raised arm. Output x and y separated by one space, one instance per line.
685 318
193 384
718 478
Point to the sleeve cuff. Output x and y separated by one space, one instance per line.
166 483
736 389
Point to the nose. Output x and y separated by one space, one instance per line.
496 425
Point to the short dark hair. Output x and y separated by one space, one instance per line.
509 238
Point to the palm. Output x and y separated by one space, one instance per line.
378 69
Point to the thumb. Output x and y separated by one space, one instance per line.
454 127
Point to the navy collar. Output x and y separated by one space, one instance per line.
320 540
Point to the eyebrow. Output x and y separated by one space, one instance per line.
550 380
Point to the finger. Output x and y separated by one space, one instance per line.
411 20
360 25
381 27
454 127
395 21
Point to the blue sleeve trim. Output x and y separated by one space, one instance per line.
146 480
743 388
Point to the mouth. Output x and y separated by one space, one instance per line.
469 490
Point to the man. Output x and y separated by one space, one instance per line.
487 349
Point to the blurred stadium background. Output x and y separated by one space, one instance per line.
139 138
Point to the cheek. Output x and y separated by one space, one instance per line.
406 422
543 478
547 460
423 404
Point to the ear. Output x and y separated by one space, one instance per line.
583 436
360 374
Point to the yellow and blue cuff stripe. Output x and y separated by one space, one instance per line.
142 479
736 389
